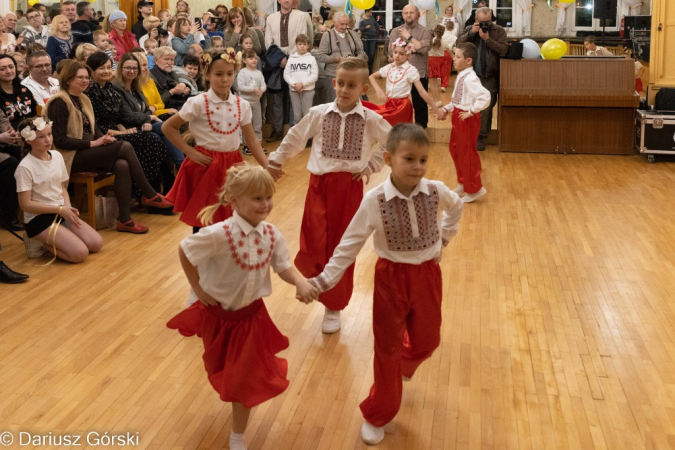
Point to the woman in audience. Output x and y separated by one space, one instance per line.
236 26
17 101
85 148
249 16
60 41
183 8
151 93
186 34
7 39
84 51
106 102
123 39
134 110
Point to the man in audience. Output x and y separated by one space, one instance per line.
83 28
420 39
281 29
35 31
195 50
491 41
144 9
39 81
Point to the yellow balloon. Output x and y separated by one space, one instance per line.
566 1
32 2
553 49
363 4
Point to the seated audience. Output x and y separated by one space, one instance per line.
17 101
39 80
123 39
60 41
85 148
174 93
35 31
186 34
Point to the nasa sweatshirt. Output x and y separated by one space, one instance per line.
302 69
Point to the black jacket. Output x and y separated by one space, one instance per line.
134 110
165 82
138 29
497 46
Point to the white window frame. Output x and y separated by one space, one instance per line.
597 26
516 14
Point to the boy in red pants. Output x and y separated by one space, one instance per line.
468 99
411 219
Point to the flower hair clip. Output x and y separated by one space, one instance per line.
40 123
229 56
402 43
28 134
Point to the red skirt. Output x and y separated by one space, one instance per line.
239 350
638 85
394 110
447 68
197 187
436 66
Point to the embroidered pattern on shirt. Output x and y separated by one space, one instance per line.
398 227
459 91
352 146
243 259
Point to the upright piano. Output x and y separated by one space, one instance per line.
569 105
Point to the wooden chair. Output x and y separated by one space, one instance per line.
86 184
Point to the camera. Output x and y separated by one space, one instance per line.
485 26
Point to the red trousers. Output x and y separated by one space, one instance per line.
332 200
407 330
463 151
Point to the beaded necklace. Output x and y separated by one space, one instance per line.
208 117
401 73
242 260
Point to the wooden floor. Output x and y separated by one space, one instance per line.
558 327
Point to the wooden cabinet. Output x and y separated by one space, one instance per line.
571 105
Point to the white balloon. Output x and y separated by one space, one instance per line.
336 3
531 49
424 5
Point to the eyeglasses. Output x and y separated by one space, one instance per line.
81 78
42 66
130 69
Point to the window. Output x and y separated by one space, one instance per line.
584 19
389 13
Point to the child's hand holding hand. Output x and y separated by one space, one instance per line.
276 173
306 292
465 115
443 114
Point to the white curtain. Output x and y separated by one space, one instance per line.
268 6
630 7
463 9
316 5
561 23
526 6
4 7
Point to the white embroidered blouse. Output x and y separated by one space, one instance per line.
399 79
233 260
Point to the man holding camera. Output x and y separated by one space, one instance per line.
491 41
336 45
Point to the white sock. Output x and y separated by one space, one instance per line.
237 441
237 437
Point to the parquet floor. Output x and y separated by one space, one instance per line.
558 327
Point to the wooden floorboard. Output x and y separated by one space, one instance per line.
558 327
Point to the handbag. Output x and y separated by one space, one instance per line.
106 212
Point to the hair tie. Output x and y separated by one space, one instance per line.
401 43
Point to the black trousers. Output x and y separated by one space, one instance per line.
492 85
9 202
419 105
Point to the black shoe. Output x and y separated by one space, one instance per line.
9 222
246 151
276 136
480 145
8 276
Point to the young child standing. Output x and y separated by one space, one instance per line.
150 45
228 267
215 118
411 220
400 76
344 135
251 87
41 181
301 73
438 70
468 99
